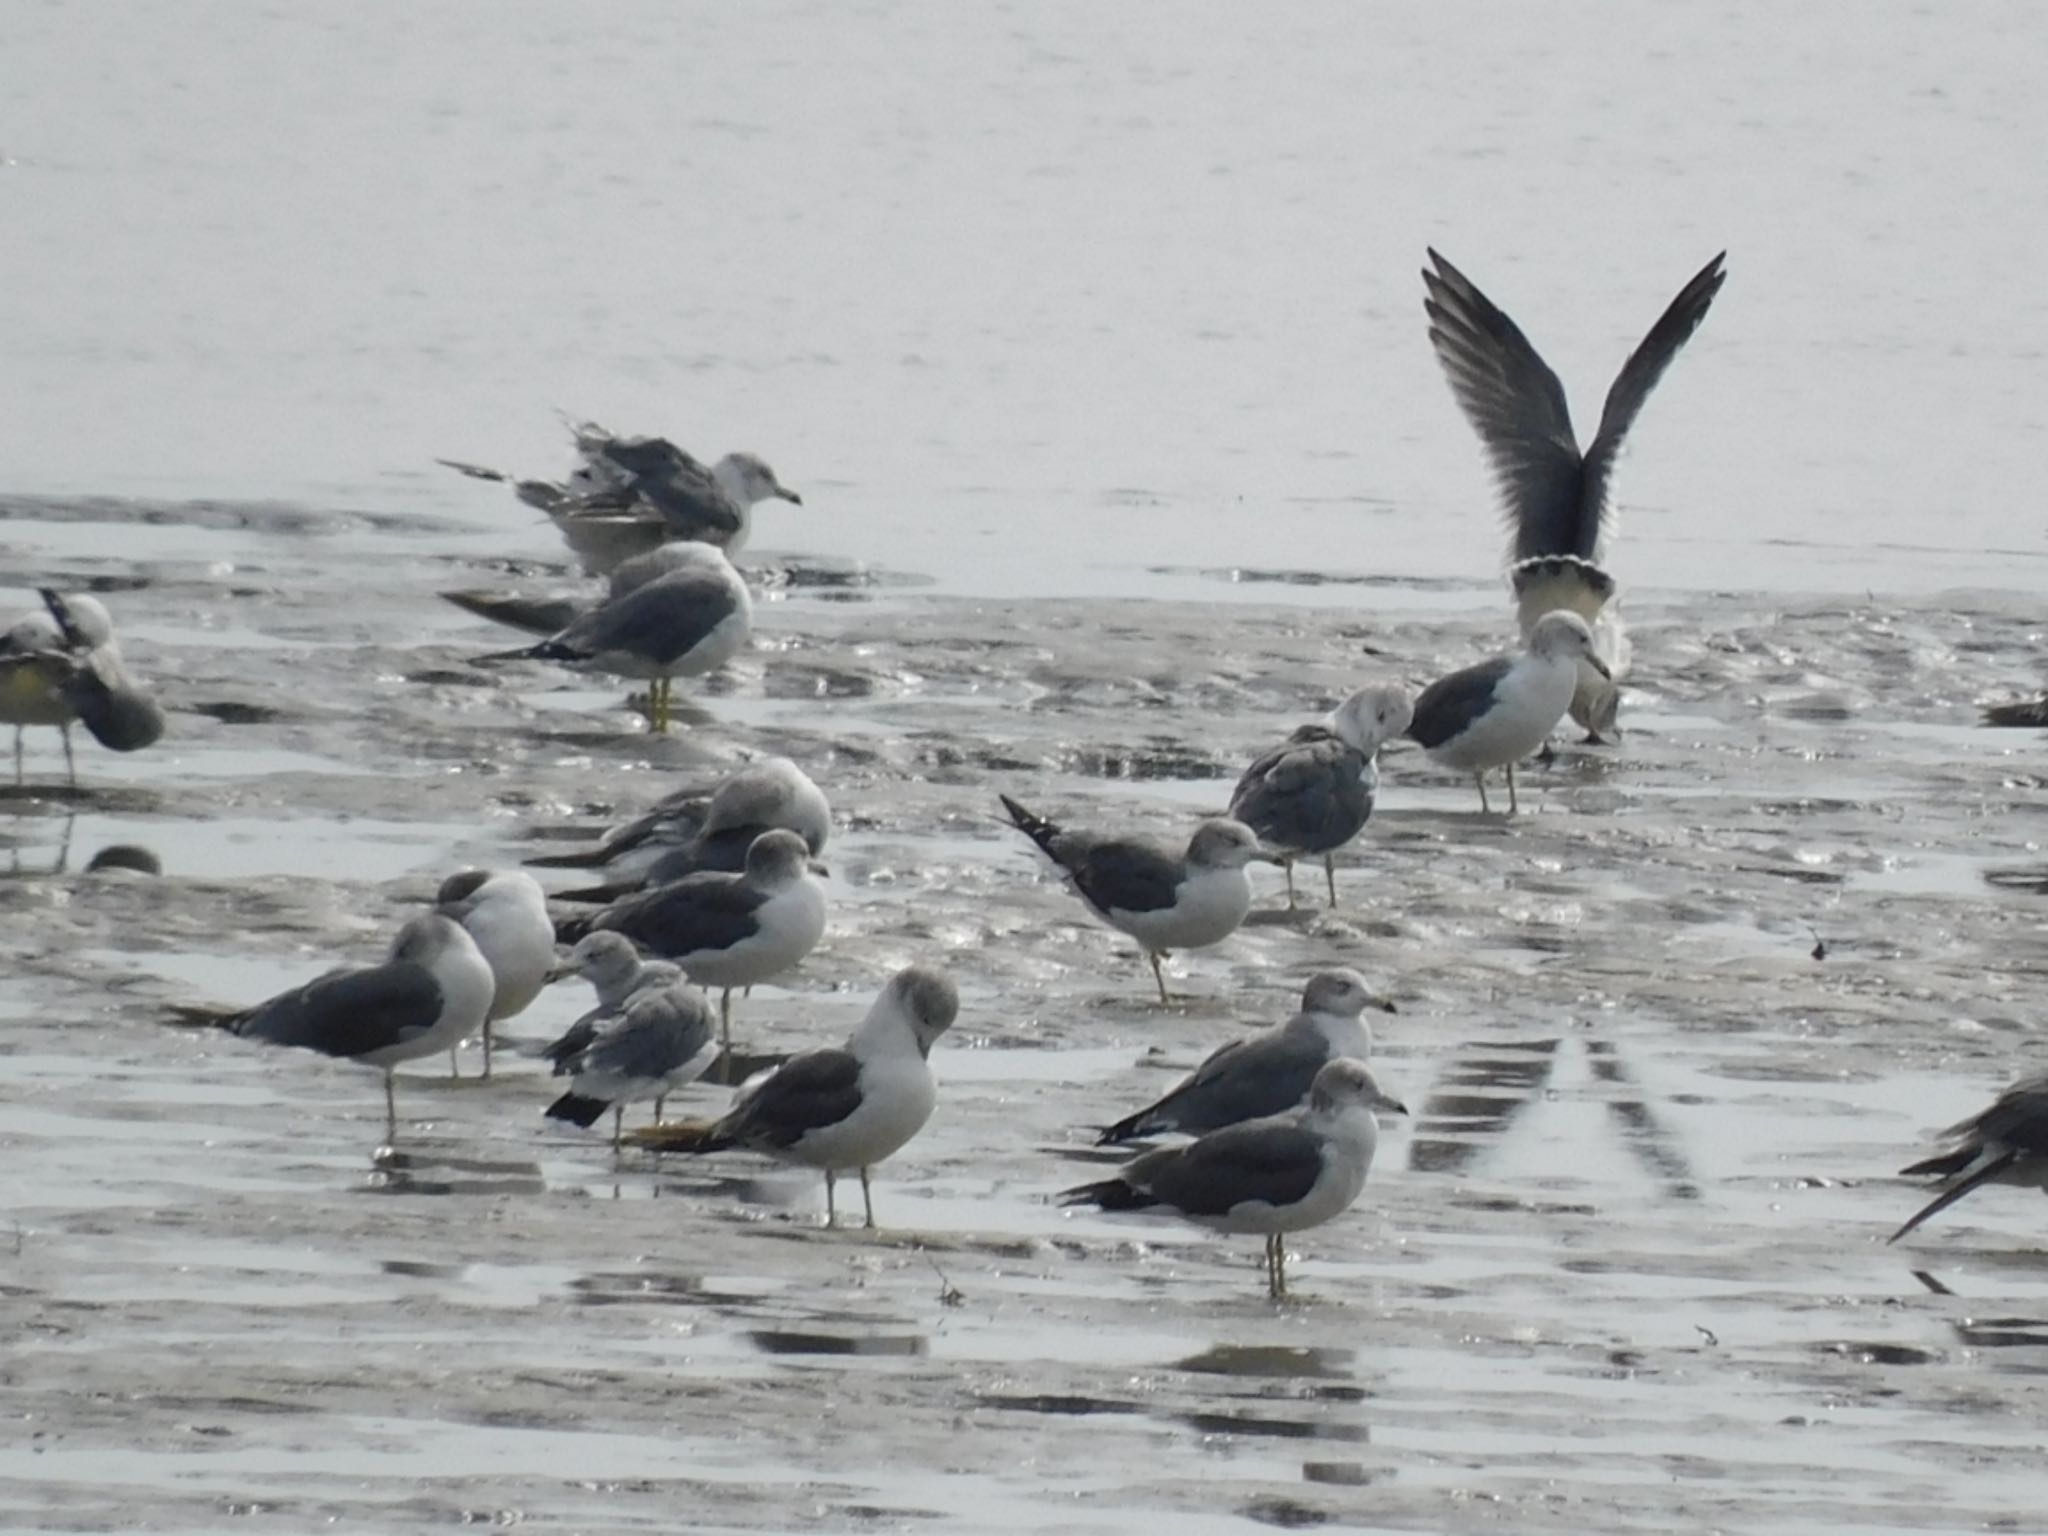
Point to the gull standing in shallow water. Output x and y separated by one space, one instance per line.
681 611
1500 711
1314 794
1164 900
2005 1144
1555 497
724 930
839 1108
506 913
63 665
432 991
612 965
1285 1173
1268 1073
661 1040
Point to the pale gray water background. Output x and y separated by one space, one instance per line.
1039 306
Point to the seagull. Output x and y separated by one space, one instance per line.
1314 794
680 611
1281 1174
62 665
688 831
506 913
1268 1073
1499 711
724 930
839 1107
2005 1144
613 966
432 991
1555 497
659 1041
629 495
1164 900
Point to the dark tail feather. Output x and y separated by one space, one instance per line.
1942 1164
535 615
1130 1128
1109 1195
1949 1197
1037 828
680 1136
572 1044
547 650
582 858
569 929
2023 712
577 1110
599 894
196 1016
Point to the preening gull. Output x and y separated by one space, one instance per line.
1268 1073
61 665
1166 901
1285 1173
1555 497
683 612
661 1040
1498 712
628 495
432 991
688 831
1314 794
840 1108
506 913
2005 1144
724 930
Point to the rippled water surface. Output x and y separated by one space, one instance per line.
1092 337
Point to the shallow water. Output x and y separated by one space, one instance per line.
1624 1269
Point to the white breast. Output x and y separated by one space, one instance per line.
1209 906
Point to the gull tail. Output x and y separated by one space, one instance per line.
535 615
547 650
568 930
681 1136
1037 828
598 894
1549 582
1108 1195
199 1016
578 1110
581 858
1131 1128
1950 1163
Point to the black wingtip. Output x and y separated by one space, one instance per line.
577 1110
1107 1195
569 929
1130 1128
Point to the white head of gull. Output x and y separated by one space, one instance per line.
1314 793
506 913
1496 713
1281 1174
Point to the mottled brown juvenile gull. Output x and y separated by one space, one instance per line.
724 930
506 913
2005 1144
686 615
1268 1073
840 1108
1167 901
432 990
1555 496
1282 1174
1314 793
661 1040
1498 712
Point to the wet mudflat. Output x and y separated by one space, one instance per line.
1665 1036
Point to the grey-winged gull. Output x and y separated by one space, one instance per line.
724 930
506 913
628 495
1555 497
616 971
661 1040
432 990
63 665
1268 1073
1285 1173
840 1108
683 612
1166 901
1496 713
2005 1144
1314 793
689 831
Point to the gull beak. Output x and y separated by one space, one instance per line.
1598 666
788 495
1263 857
1389 1103
1386 1005
823 871
562 970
